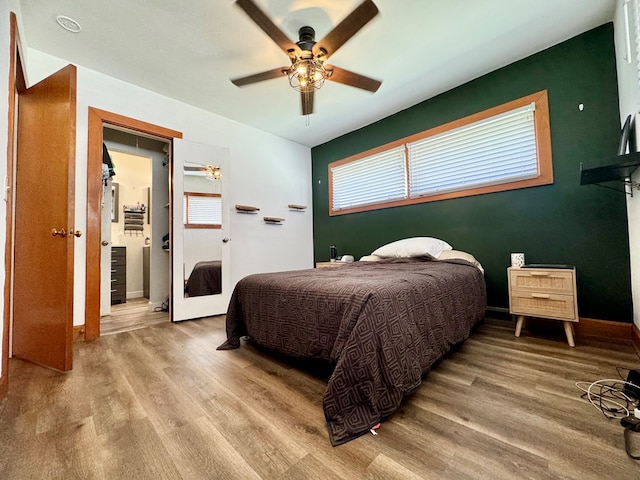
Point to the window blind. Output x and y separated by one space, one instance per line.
495 150
374 179
202 210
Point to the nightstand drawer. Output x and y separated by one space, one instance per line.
547 305
538 280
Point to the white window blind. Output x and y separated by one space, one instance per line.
202 209
374 179
495 150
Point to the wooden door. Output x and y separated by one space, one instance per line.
44 222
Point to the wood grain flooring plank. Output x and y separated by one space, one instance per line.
136 452
199 451
385 468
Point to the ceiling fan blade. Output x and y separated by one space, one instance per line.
346 29
340 75
307 102
268 27
259 77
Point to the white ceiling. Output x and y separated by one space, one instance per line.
189 49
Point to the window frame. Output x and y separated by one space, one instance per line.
543 154
186 223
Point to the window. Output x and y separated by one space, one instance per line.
202 210
503 148
352 180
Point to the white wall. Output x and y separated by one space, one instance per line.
266 171
629 95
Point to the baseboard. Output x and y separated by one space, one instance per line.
603 328
586 326
78 333
635 337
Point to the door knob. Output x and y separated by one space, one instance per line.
77 233
104 243
225 239
59 233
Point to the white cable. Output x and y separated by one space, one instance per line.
605 401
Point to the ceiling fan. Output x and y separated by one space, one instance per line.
308 69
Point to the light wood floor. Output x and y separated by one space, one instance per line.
131 315
162 403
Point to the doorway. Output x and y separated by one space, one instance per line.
98 120
135 273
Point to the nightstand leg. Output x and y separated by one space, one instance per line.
519 325
568 330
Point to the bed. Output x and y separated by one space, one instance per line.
205 279
381 324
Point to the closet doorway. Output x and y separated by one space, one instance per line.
135 270
98 120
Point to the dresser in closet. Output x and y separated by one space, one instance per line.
118 275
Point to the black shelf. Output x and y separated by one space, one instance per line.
620 168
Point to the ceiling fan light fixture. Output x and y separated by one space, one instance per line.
212 172
307 74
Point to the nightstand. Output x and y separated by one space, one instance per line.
330 264
545 293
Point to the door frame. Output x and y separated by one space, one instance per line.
97 120
17 83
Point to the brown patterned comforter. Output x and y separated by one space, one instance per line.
382 324
205 279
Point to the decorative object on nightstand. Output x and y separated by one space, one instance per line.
544 291
517 259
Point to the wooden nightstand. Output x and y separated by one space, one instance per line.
330 264
545 293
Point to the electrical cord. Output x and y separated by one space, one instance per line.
608 397
164 307
619 399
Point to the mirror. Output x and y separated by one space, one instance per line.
202 230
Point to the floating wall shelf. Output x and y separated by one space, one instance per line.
246 209
298 208
619 169
273 220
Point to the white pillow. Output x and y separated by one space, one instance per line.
449 254
412 247
370 258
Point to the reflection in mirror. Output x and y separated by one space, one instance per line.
202 230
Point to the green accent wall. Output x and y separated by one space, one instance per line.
565 222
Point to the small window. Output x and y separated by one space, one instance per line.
202 210
352 181
503 148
